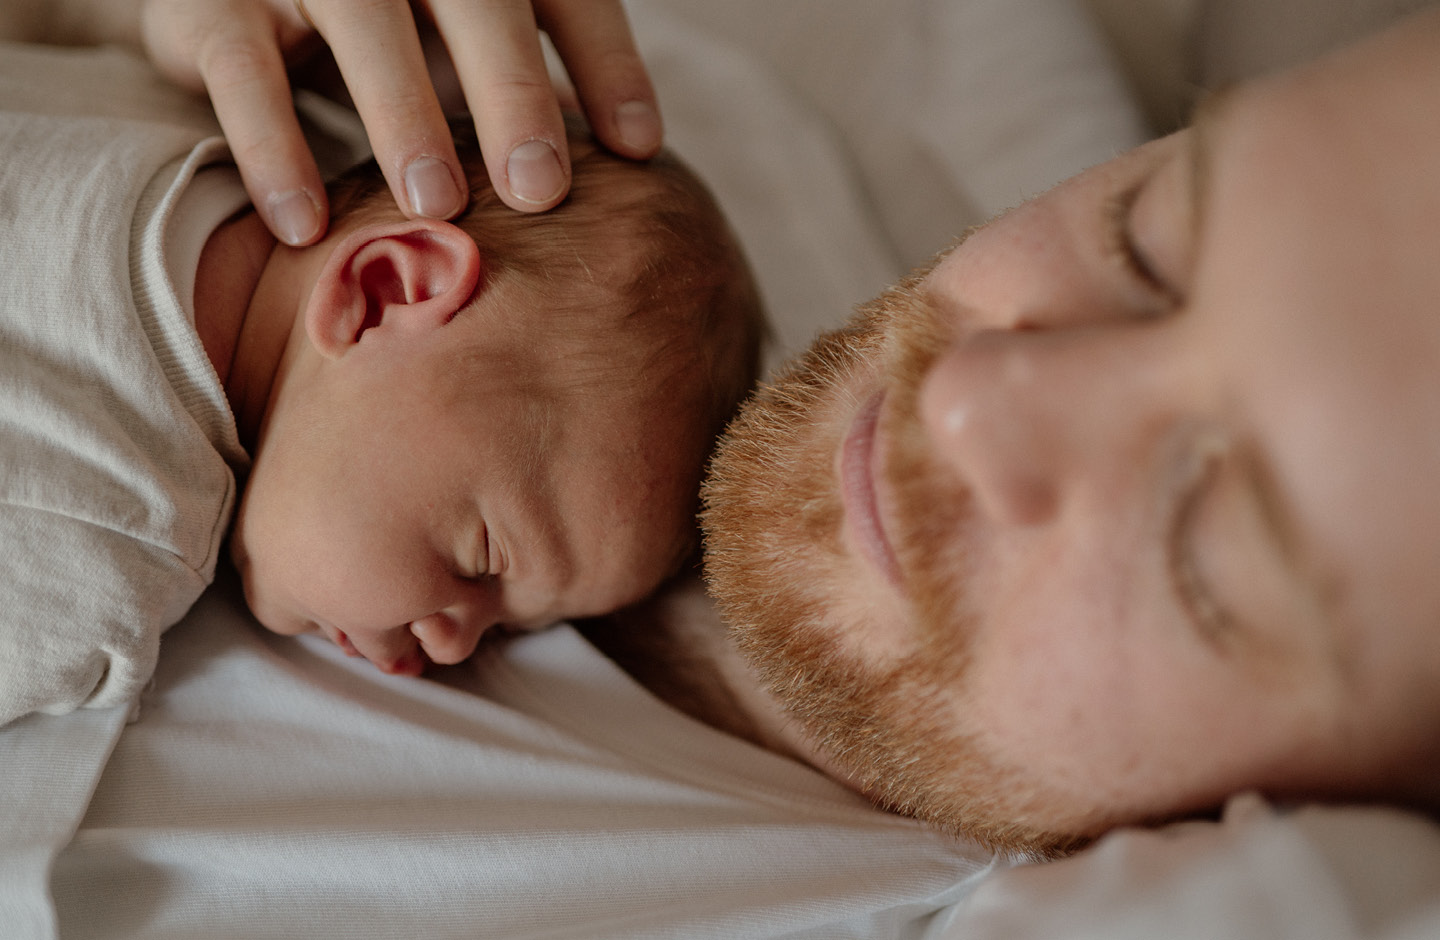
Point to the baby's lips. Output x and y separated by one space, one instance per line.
409 664
343 641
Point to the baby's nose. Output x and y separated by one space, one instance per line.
445 639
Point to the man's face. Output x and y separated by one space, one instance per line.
1129 502
427 487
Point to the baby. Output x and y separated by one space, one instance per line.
441 428
496 424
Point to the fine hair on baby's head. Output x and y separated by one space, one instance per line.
631 300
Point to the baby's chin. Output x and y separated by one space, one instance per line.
269 614
272 619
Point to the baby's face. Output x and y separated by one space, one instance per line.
406 504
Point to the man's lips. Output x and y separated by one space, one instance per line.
857 489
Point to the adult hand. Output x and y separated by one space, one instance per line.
238 51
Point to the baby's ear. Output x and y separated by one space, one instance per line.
403 276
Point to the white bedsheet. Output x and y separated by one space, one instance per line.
851 140
273 788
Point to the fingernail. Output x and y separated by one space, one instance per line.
534 172
295 216
431 189
638 126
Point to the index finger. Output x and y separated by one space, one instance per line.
377 48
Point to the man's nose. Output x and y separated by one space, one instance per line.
1028 419
449 637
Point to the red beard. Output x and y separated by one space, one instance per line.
781 575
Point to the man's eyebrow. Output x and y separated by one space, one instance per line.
1205 123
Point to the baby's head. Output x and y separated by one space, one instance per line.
496 422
